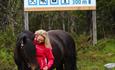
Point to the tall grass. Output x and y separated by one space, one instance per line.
94 57
7 44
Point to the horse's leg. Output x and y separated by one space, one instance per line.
69 63
20 68
19 65
24 66
59 66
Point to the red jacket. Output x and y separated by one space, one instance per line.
44 55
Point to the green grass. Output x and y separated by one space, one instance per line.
94 57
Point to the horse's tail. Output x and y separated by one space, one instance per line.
72 48
74 57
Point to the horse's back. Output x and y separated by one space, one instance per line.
62 37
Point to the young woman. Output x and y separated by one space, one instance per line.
44 54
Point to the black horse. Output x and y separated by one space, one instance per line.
63 48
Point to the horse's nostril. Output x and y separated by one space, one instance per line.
22 46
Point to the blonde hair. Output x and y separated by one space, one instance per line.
45 34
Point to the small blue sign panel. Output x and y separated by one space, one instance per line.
76 1
54 2
65 2
32 2
43 2
89 1
84 1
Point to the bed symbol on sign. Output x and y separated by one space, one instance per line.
32 2
43 2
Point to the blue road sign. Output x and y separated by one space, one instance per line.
59 4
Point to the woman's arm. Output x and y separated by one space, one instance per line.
50 57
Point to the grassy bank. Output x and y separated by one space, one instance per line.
94 57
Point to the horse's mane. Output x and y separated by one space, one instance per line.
27 51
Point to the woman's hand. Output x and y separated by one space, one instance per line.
45 68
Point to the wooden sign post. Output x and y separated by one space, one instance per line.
61 5
26 22
94 27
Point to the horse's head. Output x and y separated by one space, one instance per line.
25 43
26 48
